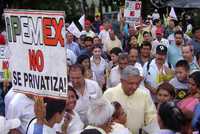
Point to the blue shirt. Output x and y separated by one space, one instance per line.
174 54
38 129
74 47
196 117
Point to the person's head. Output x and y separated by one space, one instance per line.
130 79
119 115
82 40
76 75
161 54
87 25
55 109
114 54
165 92
106 25
198 58
147 36
187 52
7 125
182 70
84 60
70 37
196 31
157 22
132 42
133 54
90 131
170 117
88 43
194 84
100 112
96 40
179 37
112 34
171 23
72 97
123 60
145 49
131 30
159 33
96 51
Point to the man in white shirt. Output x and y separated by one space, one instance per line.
133 55
87 31
111 42
115 74
157 70
87 90
104 34
21 107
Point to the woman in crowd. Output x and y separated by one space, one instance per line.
72 121
114 53
99 65
119 115
132 43
84 60
165 92
170 118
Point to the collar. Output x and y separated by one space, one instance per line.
166 131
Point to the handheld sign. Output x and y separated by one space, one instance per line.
37 60
132 12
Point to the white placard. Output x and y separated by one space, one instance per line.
132 11
37 53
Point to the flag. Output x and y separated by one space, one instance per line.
82 21
172 14
72 28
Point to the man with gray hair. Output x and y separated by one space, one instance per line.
134 101
100 118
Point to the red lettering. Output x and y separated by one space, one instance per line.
137 6
58 29
5 65
48 39
36 60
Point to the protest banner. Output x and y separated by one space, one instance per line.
132 11
37 59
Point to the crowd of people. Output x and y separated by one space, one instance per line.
123 79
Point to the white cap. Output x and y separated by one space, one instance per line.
7 125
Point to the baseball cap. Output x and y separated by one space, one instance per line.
161 49
90 131
2 39
87 22
7 125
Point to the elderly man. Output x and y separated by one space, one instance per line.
133 100
99 116
87 90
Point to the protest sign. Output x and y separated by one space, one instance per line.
72 28
37 59
132 11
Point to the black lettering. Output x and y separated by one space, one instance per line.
55 79
42 84
15 78
47 82
25 79
61 86
19 78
